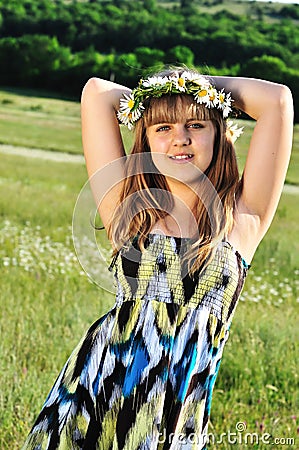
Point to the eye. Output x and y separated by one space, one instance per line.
162 128
196 125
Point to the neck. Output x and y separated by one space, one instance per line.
184 196
181 220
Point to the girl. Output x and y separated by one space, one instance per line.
184 228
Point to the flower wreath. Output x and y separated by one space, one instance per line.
131 106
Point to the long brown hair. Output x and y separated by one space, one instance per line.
146 197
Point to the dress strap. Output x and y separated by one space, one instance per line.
113 261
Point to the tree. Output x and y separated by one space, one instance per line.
126 69
186 3
149 57
150 5
30 60
266 67
188 7
180 55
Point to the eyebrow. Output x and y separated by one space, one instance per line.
191 119
196 119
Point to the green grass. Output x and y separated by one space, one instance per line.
47 302
269 11
46 123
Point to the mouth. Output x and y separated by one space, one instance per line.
182 157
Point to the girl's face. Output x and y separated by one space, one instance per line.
179 149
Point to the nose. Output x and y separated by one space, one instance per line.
181 137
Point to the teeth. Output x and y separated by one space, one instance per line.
181 157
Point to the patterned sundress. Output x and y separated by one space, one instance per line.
143 375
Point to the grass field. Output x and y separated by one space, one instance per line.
47 302
268 10
45 123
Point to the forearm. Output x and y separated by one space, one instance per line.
257 97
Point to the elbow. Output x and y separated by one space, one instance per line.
277 103
88 88
91 87
285 99
92 83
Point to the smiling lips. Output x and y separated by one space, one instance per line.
182 157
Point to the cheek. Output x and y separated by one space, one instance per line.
155 144
209 146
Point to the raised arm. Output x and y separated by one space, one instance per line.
102 142
271 105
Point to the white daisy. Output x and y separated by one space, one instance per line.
125 119
179 83
202 96
224 103
234 130
154 81
226 110
126 115
137 113
212 100
195 78
126 104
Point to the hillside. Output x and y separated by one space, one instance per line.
58 45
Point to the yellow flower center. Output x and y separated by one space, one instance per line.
212 96
130 116
131 103
221 98
202 93
181 82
